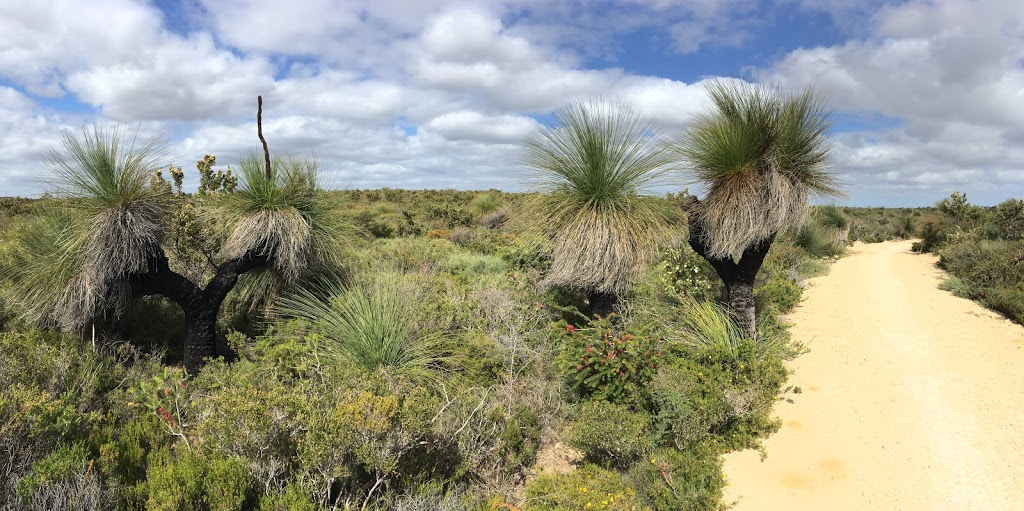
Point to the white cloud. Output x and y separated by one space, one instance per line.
469 125
24 135
175 79
42 41
949 70
438 93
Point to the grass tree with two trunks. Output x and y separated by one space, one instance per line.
106 241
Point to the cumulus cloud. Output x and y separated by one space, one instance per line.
438 93
24 135
949 70
469 125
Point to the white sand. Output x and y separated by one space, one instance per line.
913 399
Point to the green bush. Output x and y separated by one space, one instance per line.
68 460
526 251
933 233
293 498
610 434
240 411
125 457
954 285
474 264
407 254
182 480
793 261
1007 301
1009 218
984 263
362 438
817 240
603 362
687 480
719 396
779 292
684 272
587 489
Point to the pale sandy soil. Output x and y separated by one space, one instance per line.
912 399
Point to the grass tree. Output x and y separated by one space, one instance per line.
106 246
594 161
377 324
835 221
760 154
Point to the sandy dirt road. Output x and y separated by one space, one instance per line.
912 399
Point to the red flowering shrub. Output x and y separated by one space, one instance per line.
600 361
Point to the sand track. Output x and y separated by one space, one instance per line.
912 399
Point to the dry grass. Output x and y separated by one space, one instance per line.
283 217
762 154
75 263
594 164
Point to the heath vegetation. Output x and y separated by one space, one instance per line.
264 344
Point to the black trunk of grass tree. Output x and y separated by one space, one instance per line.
737 276
602 304
761 153
199 305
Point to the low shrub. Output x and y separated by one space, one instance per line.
792 261
603 362
817 240
1007 301
526 251
474 264
954 285
933 233
779 292
681 480
719 396
183 480
984 263
610 434
292 498
587 489
683 272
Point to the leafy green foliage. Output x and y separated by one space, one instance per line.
589 488
719 396
610 434
778 293
607 364
686 273
933 234
1009 217
684 480
182 480
957 207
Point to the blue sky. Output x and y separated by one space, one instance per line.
438 94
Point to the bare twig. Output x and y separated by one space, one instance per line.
259 131
366 502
